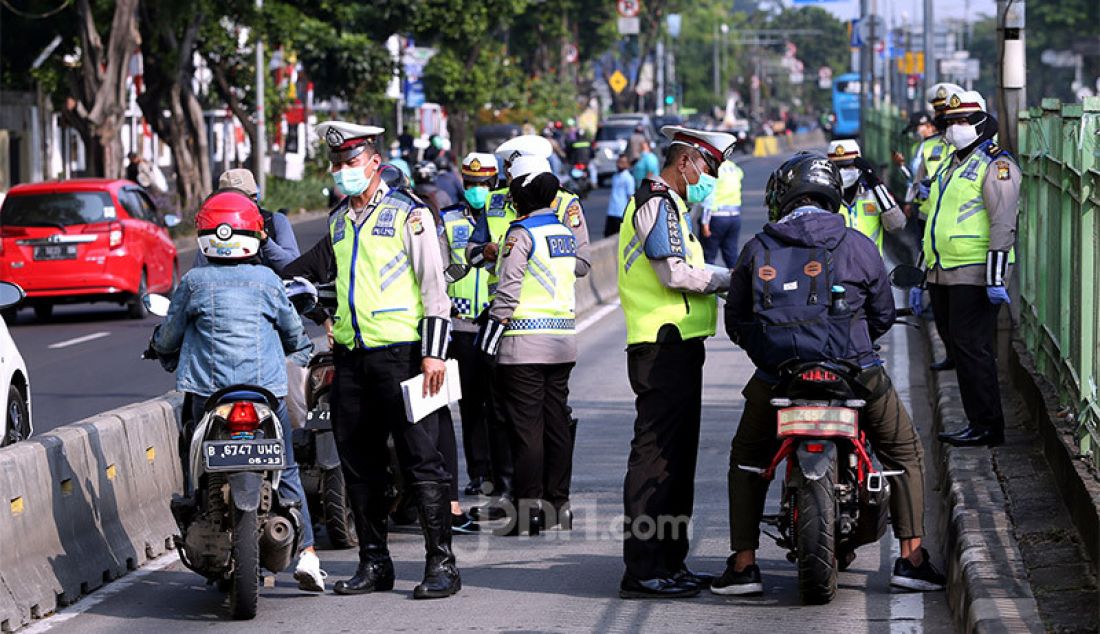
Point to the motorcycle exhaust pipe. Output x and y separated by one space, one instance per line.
277 540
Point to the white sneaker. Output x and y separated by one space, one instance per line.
309 575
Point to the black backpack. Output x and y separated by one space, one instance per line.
791 300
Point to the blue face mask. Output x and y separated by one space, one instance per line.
351 181
699 191
477 196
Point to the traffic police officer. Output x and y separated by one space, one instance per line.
484 243
531 330
721 221
933 150
484 438
667 295
968 250
866 204
392 322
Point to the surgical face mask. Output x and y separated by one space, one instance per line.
477 196
698 191
849 176
961 135
351 181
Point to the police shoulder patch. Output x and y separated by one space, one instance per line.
573 214
508 244
1003 170
415 222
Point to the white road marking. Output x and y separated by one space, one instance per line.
78 340
101 595
595 317
906 608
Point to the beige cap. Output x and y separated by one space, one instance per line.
240 179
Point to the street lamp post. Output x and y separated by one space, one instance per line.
260 150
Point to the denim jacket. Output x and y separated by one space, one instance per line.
232 324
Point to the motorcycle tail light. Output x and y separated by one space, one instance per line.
242 418
321 377
815 447
579 166
817 375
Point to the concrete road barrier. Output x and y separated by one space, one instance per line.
84 504
601 285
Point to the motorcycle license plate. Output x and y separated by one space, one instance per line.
817 421
243 455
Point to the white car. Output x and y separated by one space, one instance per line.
15 389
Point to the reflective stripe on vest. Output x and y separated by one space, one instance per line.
727 193
957 231
469 295
648 304
547 300
864 216
377 292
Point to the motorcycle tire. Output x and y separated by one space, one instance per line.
816 538
245 591
339 521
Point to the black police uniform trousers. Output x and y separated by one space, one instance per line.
533 398
659 491
485 439
368 406
967 323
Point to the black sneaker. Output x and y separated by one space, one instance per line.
463 524
744 583
922 578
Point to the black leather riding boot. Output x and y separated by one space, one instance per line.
375 571
441 578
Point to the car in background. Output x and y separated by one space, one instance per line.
613 138
661 121
86 240
15 389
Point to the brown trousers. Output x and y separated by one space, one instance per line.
888 427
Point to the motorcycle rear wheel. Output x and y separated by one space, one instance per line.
816 538
244 594
339 521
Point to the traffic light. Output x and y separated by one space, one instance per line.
669 100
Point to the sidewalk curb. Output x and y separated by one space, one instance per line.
987 587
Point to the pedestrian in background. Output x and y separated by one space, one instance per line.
646 166
622 188
721 221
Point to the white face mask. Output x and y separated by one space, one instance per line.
961 135
849 176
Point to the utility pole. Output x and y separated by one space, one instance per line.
866 50
660 76
260 150
716 97
1012 75
929 47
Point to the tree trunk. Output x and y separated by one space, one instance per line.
99 102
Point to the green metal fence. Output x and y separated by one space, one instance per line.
1059 238
881 139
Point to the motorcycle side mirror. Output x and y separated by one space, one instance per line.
905 276
171 220
10 294
156 304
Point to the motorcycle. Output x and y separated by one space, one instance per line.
231 519
834 497
577 181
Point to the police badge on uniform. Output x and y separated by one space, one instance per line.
461 236
573 214
1003 173
415 223
384 226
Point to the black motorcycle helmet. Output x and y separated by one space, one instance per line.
804 175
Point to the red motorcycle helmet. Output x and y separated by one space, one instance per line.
229 226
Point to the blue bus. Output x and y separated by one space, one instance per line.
846 89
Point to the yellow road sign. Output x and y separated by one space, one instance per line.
617 81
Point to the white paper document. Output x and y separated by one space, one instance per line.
417 406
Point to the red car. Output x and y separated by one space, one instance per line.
86 240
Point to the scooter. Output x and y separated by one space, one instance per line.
231 519
834 497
